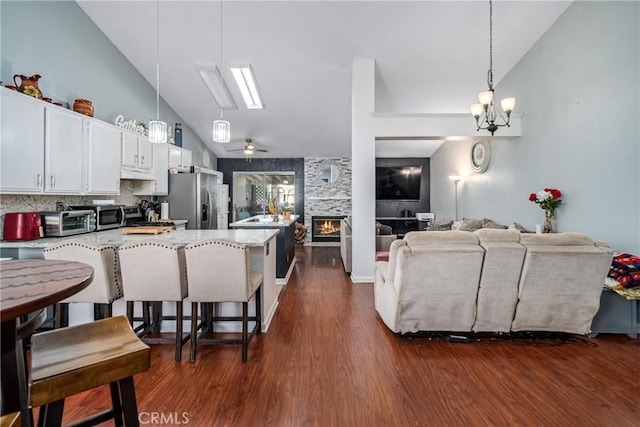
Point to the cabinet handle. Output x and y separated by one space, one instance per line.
135 159
142 160
53 181
39 180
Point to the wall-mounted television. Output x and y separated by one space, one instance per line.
398 182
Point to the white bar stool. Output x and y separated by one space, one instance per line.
154 271
106 286
219 271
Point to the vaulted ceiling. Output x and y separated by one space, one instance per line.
431 57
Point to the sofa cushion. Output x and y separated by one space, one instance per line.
497 235
556 239
427 238
383 229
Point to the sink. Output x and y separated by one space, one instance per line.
266 218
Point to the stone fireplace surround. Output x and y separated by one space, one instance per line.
321 199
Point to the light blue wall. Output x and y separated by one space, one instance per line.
579 91
57 40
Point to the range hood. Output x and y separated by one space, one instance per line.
136 175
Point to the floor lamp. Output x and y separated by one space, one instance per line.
456 179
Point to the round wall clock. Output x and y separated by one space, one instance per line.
206 160
480 155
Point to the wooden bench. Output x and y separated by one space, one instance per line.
71 360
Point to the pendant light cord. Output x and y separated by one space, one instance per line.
158 60
221 34
490 72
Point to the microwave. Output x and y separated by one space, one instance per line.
107 216
68 223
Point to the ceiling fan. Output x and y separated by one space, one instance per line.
249 149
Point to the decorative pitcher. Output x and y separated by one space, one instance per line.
28 85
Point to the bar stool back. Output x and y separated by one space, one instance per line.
154 271
106 286
219 271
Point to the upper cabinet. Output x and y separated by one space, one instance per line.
159 187
41 147
63 151
137 151
22 144
103 157
47 149
180 158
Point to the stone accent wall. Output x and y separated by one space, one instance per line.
322 198
42 203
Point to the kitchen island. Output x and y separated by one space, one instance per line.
262 243
286 243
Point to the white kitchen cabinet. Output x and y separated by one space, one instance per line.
41 147
160 170
137 151
63 151
103 157
22 143
180 158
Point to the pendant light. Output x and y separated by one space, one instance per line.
486 105
157 128
221 128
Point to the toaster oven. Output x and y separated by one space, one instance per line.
107 216
68 223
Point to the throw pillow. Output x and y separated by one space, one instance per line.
439 225
625 268
517 227
487 223
470 224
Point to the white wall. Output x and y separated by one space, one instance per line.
57 40
579 91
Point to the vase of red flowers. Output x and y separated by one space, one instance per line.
548 199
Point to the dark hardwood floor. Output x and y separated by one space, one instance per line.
328 360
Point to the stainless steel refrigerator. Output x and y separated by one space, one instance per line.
200 198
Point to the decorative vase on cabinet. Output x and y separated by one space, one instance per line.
83 106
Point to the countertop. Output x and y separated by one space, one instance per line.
254 222
257 237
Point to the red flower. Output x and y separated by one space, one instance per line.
555 193
532 197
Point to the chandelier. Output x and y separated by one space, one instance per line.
485 112
221 128
157 128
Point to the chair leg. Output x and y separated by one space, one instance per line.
62 315
102 311
129 405
178 331
51 414
130 312
116 404
245 330
146 317
259 310
194 332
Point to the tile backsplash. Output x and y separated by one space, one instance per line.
42 203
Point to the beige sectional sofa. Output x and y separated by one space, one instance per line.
491 281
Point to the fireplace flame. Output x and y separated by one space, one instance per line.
328 227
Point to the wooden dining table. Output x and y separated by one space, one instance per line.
27 286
